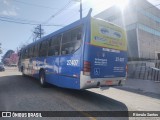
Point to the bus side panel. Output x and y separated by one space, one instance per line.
67 82
30 67
40 63
52 70
35 71
25 66
69 70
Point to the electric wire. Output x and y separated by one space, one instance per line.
26 22
58 12
35 5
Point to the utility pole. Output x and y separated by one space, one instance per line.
80 1
38 32
80 9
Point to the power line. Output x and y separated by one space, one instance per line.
27 22
17 22
35 5
28 39
58 12
19 19
30 22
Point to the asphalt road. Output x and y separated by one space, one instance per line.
18 93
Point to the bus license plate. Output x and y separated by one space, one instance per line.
109 83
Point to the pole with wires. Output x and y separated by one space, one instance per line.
38 32
80 9
80 1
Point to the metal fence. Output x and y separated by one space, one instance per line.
144 70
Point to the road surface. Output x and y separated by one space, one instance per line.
18 93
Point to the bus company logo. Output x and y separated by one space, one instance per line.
6 114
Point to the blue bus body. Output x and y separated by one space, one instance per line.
89 65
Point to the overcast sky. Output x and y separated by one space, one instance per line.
12 35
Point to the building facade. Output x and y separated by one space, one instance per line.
142 23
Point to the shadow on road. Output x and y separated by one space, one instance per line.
139 91
13 87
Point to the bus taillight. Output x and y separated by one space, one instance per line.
126 68
87 68
126 71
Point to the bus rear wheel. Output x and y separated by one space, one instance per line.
42 79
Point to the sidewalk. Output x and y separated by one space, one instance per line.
146 86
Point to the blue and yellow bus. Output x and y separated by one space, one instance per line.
85 54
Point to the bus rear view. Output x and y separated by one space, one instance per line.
105 55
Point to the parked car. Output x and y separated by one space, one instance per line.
2 67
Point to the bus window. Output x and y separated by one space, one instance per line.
76 34
43 49
30 54
23 54
36 49
71 41
26 53
54 46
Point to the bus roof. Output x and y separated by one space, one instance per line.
72 25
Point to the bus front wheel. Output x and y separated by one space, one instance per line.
42 79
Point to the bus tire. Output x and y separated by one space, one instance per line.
42 79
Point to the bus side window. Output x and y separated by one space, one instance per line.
23 54
71 41
54 46
43 49
30 54
26 53
32 50
76 34
36 51
79 35
65 42
29 49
